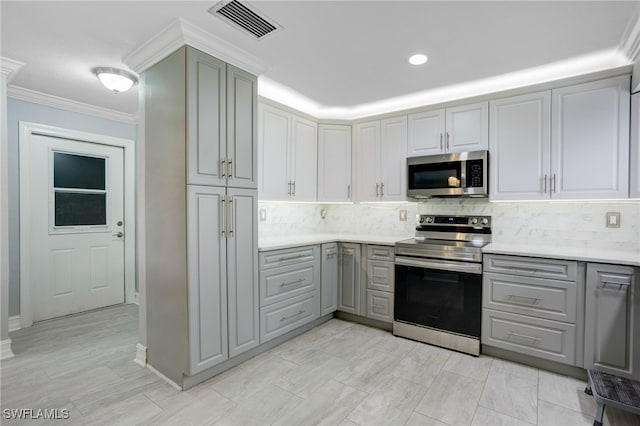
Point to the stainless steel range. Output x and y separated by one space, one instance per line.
438 282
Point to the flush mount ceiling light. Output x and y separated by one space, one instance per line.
114 79
418 59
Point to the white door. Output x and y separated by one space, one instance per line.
273 143
426 133
76 215
304 154
367 140
334 162
467 128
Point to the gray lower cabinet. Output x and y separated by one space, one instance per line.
329 278
380 281
534 306
349 298
289 289
612 320
222 274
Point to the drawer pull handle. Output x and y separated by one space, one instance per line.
605 284
297 256
292 282
300 312
532 300
524 336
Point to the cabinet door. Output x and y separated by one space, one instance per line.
349 275
334 162
304 154
520 143
467 127
206 112
329 279
273 142
380 305
242 270
425 133
367 140
634 190
393 159
207 282
610 307
242 151
590 140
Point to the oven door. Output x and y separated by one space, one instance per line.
440 294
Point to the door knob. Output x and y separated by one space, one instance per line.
119 235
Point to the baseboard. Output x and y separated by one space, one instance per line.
165 378
5 349
14 323
141 355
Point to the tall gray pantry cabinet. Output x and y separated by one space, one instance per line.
201 206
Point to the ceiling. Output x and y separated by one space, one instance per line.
332 57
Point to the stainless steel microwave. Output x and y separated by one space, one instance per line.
461 174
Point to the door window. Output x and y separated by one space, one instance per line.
79 190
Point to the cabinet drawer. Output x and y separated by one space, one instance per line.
283 257
380 305
380 253
282 317
546 339
531 267
380 275
282 283
550 299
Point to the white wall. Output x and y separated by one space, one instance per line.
570 224
18 110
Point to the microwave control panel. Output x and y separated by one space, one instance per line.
475 178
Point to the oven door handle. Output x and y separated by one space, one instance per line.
470 268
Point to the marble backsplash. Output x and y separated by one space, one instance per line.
570 224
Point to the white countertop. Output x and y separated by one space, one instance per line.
553 252
568 253
301 240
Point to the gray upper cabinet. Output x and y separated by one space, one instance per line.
520 144
567 143
242 151
221 117
454 129
334 162
206 118
288 155
349 299
380 160
612 319
590 140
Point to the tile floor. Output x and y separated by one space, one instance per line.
339 373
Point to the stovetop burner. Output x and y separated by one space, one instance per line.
448 237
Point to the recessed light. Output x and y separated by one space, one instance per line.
418 59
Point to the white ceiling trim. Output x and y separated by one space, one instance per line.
181 32
9 67
630 44
29 95
572 67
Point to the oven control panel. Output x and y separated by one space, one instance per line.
475 221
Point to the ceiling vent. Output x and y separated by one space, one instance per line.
245 17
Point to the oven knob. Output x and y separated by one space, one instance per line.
485 221
421 219
474 220
429 219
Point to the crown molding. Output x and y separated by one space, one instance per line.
181 32
29 95
9 67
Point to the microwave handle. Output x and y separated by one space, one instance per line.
447 141
441 146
